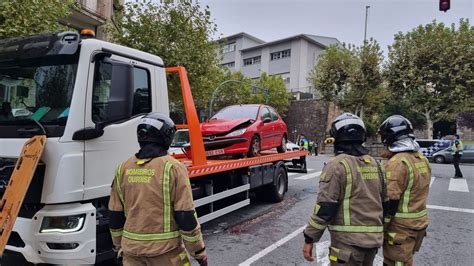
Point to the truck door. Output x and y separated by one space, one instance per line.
116 109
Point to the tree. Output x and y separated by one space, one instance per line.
351 77
278 96
181 35
267 89
431 69
27 17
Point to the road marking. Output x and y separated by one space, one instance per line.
458 185
309 176
432 180
435 207
272 247
322 250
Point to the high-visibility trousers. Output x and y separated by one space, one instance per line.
176 257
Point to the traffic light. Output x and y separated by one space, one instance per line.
444 5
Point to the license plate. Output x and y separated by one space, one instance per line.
215 152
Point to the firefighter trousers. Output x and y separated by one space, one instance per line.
175 257
343 254
400 245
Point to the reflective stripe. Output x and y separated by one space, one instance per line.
192 239
150 237
166 198
399 263
357 228
118 173
314 224
412 215
346 203
116 233
406 194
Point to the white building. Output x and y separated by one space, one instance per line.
292 58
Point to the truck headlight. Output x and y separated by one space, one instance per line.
62 224
237 132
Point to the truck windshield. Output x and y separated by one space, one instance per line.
35 96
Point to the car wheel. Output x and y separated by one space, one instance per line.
439 159
282 147
254 149
276 192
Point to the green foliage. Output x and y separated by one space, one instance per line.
267 89
27 17
181 35
351 77
431 69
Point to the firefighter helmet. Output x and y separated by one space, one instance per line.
395 127
348 128
156 128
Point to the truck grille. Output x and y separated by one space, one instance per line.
32 202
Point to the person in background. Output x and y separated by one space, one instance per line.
456 152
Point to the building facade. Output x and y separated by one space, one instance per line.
291 58
93 14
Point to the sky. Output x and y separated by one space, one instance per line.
343 19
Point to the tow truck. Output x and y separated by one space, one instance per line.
86 97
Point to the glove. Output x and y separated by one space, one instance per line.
119 257
202 261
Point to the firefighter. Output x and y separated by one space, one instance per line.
152 216
349 202
408 177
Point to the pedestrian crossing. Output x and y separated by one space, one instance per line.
455 184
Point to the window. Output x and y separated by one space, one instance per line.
141 91
230 64
230 47
265 113
273 114
252 60
280 54
101 94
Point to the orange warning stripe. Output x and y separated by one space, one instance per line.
18 185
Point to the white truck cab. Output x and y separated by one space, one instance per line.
87 96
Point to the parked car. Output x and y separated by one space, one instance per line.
444 156
290 146
430 146
244 129
181 139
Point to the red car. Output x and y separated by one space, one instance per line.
244 129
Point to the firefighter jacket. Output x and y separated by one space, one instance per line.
408 177
349 202
148 192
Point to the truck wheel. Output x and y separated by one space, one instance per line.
282 147
276 191
439 159
254 149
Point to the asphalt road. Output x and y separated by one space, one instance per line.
270 234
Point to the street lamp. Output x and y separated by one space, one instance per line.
214 93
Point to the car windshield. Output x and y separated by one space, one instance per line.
180 138
36 93
238 112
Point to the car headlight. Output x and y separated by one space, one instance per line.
62 224
237 132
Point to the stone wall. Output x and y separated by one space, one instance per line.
465 125
311 117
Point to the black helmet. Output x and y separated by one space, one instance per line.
395 127
156 128
348 128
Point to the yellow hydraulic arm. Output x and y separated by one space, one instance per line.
18 185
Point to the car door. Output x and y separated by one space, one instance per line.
118 141
279 128
468 153
266 129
